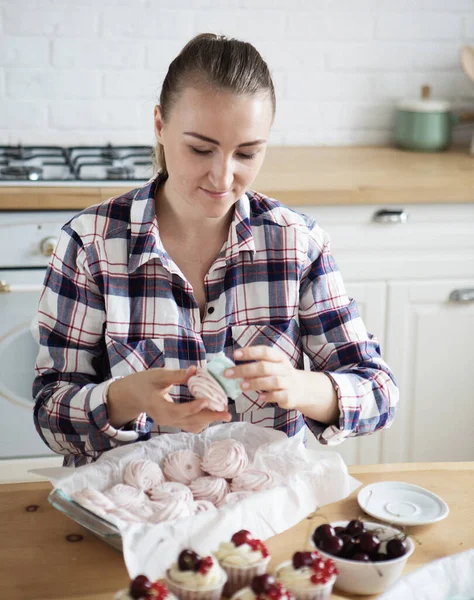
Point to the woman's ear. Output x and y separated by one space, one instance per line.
158 121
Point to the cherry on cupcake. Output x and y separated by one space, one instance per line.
304 559
262 583
188 560
140 587
241 537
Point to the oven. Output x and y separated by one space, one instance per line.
27 240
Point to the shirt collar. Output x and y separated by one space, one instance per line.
145 241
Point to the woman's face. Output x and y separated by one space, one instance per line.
214 143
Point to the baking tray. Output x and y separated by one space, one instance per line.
103 529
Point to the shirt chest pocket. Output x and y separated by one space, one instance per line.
285 336
131 357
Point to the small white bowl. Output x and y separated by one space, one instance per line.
358 577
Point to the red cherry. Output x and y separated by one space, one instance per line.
369 542
140 587
241 537
188 560
355 527
262 583
361 557
332 545
304 559
322 532
396 547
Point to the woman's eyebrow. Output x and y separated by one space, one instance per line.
208 139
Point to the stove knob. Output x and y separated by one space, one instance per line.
48 245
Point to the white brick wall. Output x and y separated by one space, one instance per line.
90 71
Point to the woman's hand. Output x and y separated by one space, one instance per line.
148 391
272 375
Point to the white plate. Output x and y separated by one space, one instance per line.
402 503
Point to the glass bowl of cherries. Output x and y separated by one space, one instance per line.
369 556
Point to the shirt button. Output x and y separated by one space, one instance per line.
210 310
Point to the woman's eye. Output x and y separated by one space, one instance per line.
197 151
247 156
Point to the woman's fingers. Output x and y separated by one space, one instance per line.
260 352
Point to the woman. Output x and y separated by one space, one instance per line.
145 287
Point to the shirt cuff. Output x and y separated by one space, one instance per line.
130 432
348 403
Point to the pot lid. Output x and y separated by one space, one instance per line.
429 106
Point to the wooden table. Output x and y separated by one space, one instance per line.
37 562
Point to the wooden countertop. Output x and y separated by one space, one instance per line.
39 563
313 175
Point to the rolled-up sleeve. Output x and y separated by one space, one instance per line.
337 343
70 387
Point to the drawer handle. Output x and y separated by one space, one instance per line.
7 288
397 215
465 295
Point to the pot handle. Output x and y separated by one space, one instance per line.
464 117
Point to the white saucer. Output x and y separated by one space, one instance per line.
402 503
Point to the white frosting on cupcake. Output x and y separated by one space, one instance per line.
213 489
295 578
225 458
182 466
228 554
197 581
143 474
253 480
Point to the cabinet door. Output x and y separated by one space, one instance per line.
371 300
430 347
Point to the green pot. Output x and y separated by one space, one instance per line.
424 125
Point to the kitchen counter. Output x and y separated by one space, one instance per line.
39 563
299 176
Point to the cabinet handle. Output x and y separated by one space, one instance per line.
397 215
7 288
463 295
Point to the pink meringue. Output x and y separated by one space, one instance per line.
203 506
210 488
182 466
143 474
234 497
225 458
253 480
170 510
91 499
203 385
170 490
124 515
124 496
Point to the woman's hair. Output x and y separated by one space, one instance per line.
218 62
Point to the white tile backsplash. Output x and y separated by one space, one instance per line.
90 71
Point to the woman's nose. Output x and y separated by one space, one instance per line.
221 174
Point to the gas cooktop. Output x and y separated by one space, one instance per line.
75 164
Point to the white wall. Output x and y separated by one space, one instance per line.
89 71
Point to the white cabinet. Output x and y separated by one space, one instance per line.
435 371
402 275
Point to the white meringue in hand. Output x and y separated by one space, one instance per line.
225 458
253 480
182 466
143 474
214 489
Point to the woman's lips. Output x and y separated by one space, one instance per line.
215 194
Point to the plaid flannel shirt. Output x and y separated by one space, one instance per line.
114 303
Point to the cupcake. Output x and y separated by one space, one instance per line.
308 576
141 588
263 587
194 577
242 558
